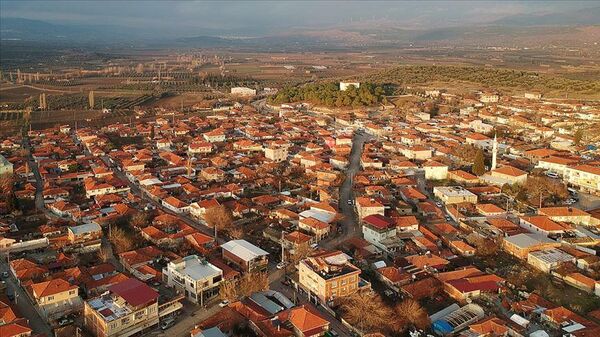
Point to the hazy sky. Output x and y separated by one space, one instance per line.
257 17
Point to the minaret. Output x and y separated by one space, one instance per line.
494 152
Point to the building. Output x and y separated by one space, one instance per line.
329 275
55 298
447 322
128 308
540 224
489 97
6 167
276 153
567 214
244 255
85 238
548 259
585 177
435 171
454 194
368 206
521 245
243 91
505 175
345 85
381 232
198 279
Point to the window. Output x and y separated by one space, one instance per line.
333 285
72 292
49 298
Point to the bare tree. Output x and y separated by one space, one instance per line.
410 312
248 284
121 240
104 254
236 232
366 311
139 220
218 218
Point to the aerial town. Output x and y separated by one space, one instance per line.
299 193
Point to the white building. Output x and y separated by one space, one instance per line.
198 279
345 85
454 194
549 259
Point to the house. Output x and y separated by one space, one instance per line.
435 170
454 195
55 298
329 275
197 278
541 224
244 255
548 259
243 91
305 321
567 214
520 245
381 232
276 153
368 206
128 308
318 228
86 237
505 175
586 177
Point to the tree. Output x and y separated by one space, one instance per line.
540 190
479 163
104 254
466 152
139 220
121 240
236 232
249 283
366 311
578 136
410 312
218 218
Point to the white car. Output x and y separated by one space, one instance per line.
224 303
552 175
281 265
570 201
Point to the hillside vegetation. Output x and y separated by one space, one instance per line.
328 94
485 77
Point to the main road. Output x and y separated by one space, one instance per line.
349 222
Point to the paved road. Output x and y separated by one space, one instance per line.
39 183
349 223
24 304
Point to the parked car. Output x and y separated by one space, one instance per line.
224 303
281 265
5 274
169 322
552 175
570 201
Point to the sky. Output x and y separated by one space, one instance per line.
187 17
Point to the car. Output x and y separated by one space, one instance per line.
350 202
281 265
572 191
570 201
65 321
552 175
5 274
169 322
314 245
439 204
448 218
333 333
224 303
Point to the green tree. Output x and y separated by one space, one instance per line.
479 163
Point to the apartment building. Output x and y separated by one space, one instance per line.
368 206
198 279
276 153
585 177
128 308
330 275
